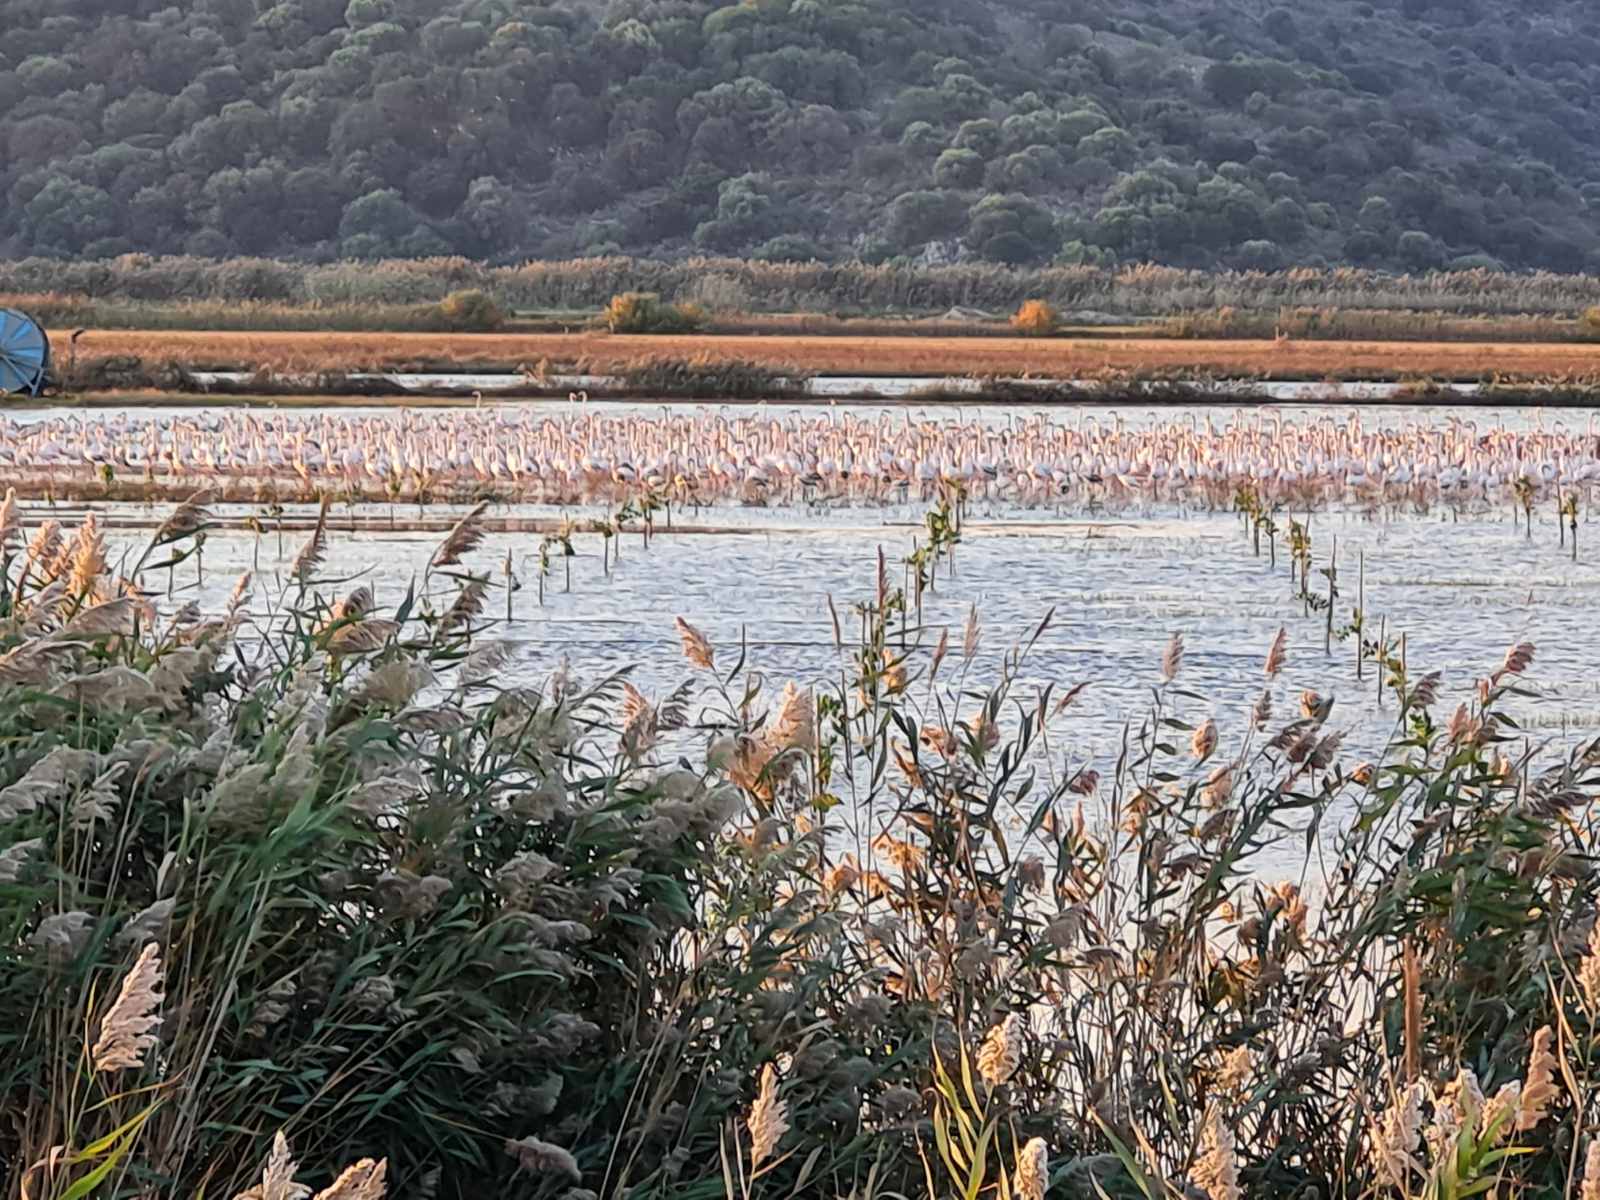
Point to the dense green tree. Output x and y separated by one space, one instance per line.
1012 229
916 218
252 126
958 169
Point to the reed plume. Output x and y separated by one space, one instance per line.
1172 658
10 522
696 647
44 547
1589 969
1261 713
88 558
465 537
1032 1174
1538 1085
363 1180
315 549
1238 1068
544 1158
125 1031
467 606
1204 740
1589 1189
277 1177
1278 652
187 519
1396 1138
1216 1171
1426 693
768 1120
971 635
1001 1052
1518 659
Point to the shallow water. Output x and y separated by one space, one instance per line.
1461 591
1460 586
887 386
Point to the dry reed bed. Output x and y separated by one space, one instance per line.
998 357
723 284
304 866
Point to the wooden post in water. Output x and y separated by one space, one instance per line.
1361 607
1333 575
508 586
1383 651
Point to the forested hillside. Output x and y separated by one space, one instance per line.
1397 133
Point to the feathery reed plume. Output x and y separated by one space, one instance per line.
639 722
971 635
1068 697
1538 1085
362 637
1518 659
463 539
1278 652
1500 1110
1238 1068
277 1177
360 1181
88 558
1590 1188
794 727
10 521
1396 1138
240 596
315 549
1204 740
29 663
1032 1174
1218 787
543 1158
44 547
1426 693
1310 704
467 607
484 661
357 604
1216 1171
696 647
1172 658
1321 757
1001 1051
768 1120
125 1032
1460 723
187 519
1589 969
939 652
102 620
1261 713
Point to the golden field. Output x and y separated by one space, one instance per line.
984 356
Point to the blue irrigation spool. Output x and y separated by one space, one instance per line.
24 353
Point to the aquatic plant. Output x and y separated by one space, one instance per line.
480 937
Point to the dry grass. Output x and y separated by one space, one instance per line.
987 356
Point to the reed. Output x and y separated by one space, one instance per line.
889 932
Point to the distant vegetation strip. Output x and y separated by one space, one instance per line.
138 357
729 285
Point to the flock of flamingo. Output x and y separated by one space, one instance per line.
581 454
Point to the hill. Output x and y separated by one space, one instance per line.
1398 133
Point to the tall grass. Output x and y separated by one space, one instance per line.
845 288
890 933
